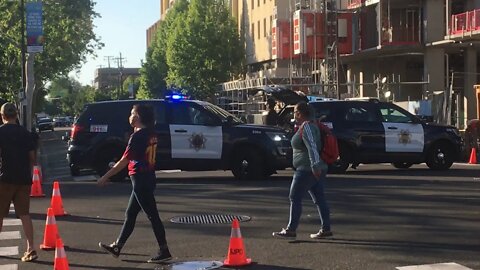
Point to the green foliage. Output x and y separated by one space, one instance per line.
154 71
197 47
69 39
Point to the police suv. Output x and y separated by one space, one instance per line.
370 131
192 136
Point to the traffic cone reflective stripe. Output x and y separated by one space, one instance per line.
61 261
473 157
36 189
236 255
51 231
56 203
38 172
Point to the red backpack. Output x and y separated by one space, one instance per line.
329 150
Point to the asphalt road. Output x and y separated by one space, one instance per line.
382 217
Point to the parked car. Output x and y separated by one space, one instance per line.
61 121
192 136
371 131
45 124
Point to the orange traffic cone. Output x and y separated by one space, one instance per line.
51 231
36 190
236 252
38 170
473 156
56 203
61 262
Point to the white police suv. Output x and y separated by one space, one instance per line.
370 131
192 136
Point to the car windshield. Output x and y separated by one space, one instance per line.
45 120
222 113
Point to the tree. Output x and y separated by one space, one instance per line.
196 48
154 70
68 30
204 49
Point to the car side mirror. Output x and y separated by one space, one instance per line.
425 118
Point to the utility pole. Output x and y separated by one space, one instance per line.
108 58
120 61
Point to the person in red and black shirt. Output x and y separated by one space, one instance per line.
139 156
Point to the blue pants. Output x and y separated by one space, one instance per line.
142 198
302 182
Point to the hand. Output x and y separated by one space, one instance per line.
102 181
317 173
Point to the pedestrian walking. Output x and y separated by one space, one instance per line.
17 159
309 176
140 157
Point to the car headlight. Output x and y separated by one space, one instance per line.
276 137
454 131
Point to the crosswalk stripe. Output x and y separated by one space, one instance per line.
12 222
9 267
8 251
10 235
437 266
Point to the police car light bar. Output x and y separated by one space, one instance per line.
176 97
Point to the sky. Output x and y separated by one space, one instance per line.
122 28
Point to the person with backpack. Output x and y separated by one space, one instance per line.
309 176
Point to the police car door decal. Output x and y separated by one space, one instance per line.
403 137
195 141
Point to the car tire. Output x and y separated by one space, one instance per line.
402 165
440 157
248 164
106 159
343 162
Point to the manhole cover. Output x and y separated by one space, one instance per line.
195 265
209 219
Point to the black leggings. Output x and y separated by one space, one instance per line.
142 198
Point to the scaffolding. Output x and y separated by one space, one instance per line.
331 84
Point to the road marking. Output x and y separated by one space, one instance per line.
10 235
9 267
8 251
437 266
11 222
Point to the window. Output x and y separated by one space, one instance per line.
359 113
186 114
253 32
258 2
253 4
265 27
271 21
393 115
258 25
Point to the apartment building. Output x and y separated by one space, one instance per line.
410 49
110 78
165 5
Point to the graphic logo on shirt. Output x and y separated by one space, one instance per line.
197 141
404 137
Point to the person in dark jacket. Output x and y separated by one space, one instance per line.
309 176
271 119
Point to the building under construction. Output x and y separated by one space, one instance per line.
396 50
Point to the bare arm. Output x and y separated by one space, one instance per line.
120 165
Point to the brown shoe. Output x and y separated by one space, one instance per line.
30 256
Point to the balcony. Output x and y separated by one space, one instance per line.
466 22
